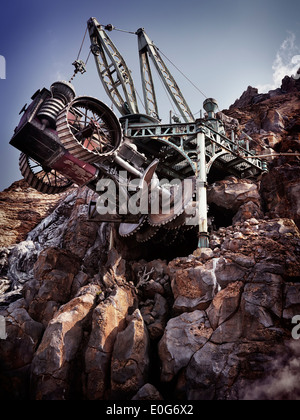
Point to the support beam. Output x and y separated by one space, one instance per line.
202 189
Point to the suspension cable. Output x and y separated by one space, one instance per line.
80 49
110 28
181 72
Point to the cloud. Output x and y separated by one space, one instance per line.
286 63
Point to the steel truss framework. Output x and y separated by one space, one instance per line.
221 151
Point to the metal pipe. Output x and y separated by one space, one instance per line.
271 156
202 191
125 165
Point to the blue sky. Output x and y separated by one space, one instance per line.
222 46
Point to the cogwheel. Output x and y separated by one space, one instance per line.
129 229
178 207
88 129
181 220
166 238
44 180
146 233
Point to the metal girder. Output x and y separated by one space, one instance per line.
112 69
220 150
148 85
146 46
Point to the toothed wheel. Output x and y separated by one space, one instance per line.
44 180
88 129
146 233
128 229
185 196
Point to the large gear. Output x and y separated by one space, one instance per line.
177 209
128 229
88 129
146 233
182 219
47 181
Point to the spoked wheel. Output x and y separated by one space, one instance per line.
44 180
88 129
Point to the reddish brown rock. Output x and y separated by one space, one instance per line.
54 273
22 208
109 318
53 362
130 359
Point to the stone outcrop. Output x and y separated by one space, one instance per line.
22 208
87 319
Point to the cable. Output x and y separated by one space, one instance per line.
110 28
181 72
82 44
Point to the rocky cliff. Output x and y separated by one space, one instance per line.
88 316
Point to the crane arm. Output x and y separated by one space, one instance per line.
146 46
112 69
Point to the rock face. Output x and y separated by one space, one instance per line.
22 208
83 320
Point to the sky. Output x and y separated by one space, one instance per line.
222 46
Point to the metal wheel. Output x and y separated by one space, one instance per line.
178 207
88 129
44 180
129 229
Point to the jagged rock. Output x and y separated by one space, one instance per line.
225 304
273 122
193 286
130 359
52 364
228 271
54 273
281 192
246 99
156 316
80 234
148 393
232 193
109 318
206 371
291 302
183 337
18 350
22 208
247 211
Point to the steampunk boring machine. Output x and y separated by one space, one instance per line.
66 139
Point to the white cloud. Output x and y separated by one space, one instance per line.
286 63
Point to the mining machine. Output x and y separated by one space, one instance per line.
151 177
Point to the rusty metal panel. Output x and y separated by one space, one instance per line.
80 172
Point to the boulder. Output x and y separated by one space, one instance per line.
225 304
193 286
273 121
232 193
23 336
54 273
53 367
148 393
280 190
109 318
183 337
130 359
